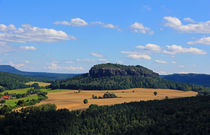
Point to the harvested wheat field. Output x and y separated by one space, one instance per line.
74 101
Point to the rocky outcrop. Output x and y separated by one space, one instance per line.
120 70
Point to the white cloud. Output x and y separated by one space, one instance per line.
203 41
55 66
160 61
103 60
28 48
174 49
78 22
110 26
96 55
175 23
27 33
136 55
173 62
140 28
85 60
162 72
139 56
181 66
150 47
16 65
27 61
188 19
74 22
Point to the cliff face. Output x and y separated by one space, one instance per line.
121 70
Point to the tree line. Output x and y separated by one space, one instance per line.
169 116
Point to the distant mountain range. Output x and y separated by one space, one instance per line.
199 79
42 75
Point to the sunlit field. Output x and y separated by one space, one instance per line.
73 100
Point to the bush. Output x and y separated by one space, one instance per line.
155 93
85 101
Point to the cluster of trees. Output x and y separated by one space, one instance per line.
122 82
171 116
13 81
106 95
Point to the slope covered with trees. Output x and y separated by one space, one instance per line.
199 79
13 81
115 76
165 117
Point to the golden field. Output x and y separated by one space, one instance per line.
73 101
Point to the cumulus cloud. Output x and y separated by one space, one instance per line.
188 19
174 49
28 48
203 41
160 61
110 26
77 22
175 23
136 55
140 28
150 47
96 55
103 60
27 33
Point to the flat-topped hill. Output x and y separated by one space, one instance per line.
115 76
110 69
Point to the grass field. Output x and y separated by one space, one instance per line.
12 102
41 84
73 101
17 91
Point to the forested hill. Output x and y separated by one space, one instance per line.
13 81
40 75
200 79
115 76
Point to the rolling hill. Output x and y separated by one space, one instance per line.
13 81
115 76
40 75
199 79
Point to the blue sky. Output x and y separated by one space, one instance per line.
71 36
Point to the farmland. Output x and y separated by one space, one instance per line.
73 100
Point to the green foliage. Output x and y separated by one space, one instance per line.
36 86
13 81
199 79
155 93
159 117
109 95
85 101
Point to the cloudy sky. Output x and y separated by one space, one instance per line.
69 37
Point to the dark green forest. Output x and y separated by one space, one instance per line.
189 116
13 81
199 79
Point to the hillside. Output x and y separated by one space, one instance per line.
13 81
39 75
199 79
114 76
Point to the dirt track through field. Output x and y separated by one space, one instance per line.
74 101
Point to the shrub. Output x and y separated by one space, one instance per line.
155 93
85 101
